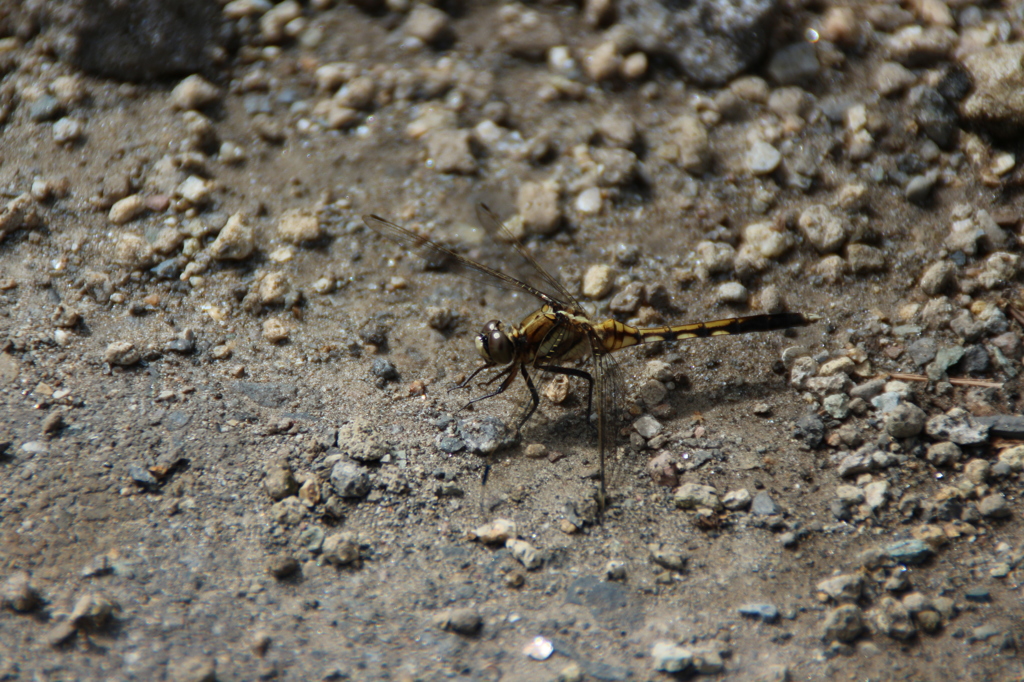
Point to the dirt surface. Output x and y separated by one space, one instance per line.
228 445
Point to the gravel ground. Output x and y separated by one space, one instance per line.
228 446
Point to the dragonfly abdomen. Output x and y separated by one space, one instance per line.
615 335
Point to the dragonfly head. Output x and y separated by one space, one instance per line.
494 345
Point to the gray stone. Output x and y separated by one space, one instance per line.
465 621
957 426
764 505
693 495
905 420
843 624
923 350
909 551
994 506
794 64
810 429
712 42
943 454
868 390
843 588
670 658
891 617
349 479
933 114
766 612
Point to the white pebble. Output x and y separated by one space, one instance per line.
68 130
235 241
275 330
732 292
298 225
589 201
194 189
822 228
127 209
763 158
194 92
597 282
537 203
560 60
767 240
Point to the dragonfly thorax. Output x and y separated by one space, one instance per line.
494 345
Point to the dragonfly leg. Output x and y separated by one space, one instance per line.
511 371
579 374
465 382
534 399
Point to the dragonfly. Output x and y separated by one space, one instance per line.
560 332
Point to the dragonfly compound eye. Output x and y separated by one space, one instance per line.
493 344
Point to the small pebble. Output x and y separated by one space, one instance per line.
427 23
823 229
275 330
450 151
235 240
762 158
496 532
340 549
694 495
465 621
892 78
843 624
525 553
282 566
767 240
670 658
737 500
615 570
994 507
68 130
589 201
18 593
769 613
121 353
764 505
597 282
127 209
732 292
537 204
194 92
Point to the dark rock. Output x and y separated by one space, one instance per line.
975 360
384 369
134 41
934 114
810 429
349 479
282 566
794 64
766 612
711 41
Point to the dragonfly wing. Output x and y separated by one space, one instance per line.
493 225
465 267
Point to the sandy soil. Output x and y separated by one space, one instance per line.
228 445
